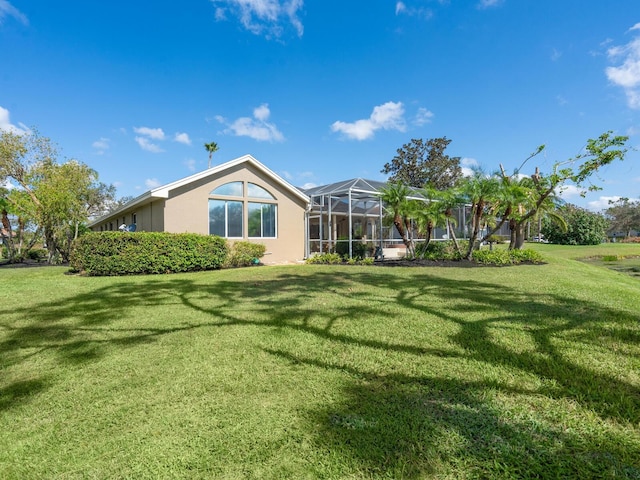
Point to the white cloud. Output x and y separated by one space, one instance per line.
7 184
555 55
402 9
388 116
101 145
190 163
423 116
489 3
154 133
257 127
603 203
8 10
468 166
145 144
635 27
561 100
151 183
627 73
182 138
308 185
7 126
263 17
569 191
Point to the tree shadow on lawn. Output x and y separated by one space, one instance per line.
401 426
80 328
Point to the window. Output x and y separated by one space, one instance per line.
231 189
227 215
262 220
225 218
257 191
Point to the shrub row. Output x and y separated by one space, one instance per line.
506 257
124 253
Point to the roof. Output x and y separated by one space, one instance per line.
358 185
163 191
358 188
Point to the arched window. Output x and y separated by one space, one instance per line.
227 215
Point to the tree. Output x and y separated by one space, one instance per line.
394 197
212 148
624 216
58 197
480 191
522 199
583 227
419 164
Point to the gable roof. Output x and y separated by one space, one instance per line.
163 190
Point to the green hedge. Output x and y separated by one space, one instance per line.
124 253
507 257
245 254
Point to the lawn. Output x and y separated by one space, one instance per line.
332 372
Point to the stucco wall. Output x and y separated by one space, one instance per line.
187 210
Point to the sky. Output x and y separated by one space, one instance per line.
322 91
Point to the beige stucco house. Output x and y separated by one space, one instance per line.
239 200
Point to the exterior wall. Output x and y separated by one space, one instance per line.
149 218
187 210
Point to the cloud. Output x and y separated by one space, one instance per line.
402 9
561 100
555 55
388 116
8 10
152 183
7 126
182 138
262 17
7 184
423 116
145 144
190 163
257 127
489 3
154 133
627 73
101 145
602 203
468 166
569 191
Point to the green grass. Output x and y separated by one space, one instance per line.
324 372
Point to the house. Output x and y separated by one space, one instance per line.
243 200
239 200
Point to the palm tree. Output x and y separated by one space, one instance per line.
394 196
211 148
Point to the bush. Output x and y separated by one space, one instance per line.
358 249
439 250
37 254
325 258
244 254
506 257
125 253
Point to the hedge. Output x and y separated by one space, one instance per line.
130 253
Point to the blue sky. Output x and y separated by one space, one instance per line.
322 91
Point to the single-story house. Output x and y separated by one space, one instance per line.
239 200
244 200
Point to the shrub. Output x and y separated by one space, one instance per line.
325 258
37 254
358 249
125 253
506 257
244 254
440 250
